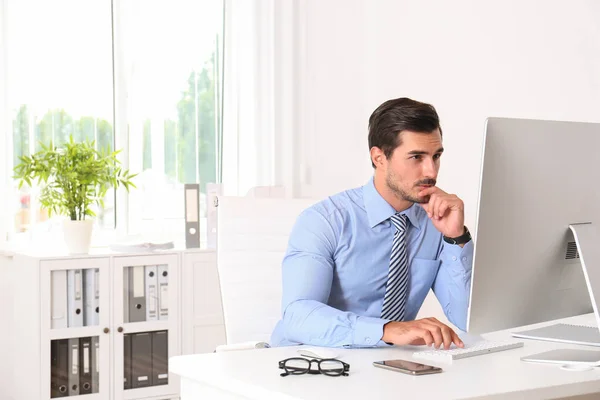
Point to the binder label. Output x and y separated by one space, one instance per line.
152 294
138 281
97 284
86 360
191 204
78 284
164 297
75 362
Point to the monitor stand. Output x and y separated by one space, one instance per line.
587 238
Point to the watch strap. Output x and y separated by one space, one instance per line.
462 239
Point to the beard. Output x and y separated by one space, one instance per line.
391 182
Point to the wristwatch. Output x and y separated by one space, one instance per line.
462 239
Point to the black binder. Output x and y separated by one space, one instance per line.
85 365
160 357
127 361
141 360
54 369
59 354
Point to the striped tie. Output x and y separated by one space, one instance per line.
394 301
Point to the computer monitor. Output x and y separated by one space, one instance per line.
537 178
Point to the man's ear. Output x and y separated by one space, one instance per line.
378 157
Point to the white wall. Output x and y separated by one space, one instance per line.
470 59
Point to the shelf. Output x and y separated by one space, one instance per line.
147 326
147 393
41 288
68 333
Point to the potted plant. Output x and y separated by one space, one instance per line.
73 178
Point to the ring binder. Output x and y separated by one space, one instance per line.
137 300
192 222
75 297
73 367
163 292
141 360
85 366
59 299
151 286
91 296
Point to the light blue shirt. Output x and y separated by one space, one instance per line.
336 266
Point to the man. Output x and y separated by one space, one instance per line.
360 263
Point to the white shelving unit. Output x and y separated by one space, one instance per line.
35 336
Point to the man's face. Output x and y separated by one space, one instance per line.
414 165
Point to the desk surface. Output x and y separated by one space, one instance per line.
254 374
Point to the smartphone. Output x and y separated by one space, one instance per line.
407 367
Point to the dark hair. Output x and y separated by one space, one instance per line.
397 115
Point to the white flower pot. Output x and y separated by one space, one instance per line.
78 235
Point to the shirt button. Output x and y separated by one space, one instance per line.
465 259
453 258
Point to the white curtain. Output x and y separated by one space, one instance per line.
260 94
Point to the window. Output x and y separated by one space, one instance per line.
171 61
59 84
140 75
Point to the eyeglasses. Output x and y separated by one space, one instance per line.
327 366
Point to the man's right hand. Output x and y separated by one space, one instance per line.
427 331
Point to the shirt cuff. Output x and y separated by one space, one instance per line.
368 331
458 258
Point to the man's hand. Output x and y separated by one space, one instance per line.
427 331
446 211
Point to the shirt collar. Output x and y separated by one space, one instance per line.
379 210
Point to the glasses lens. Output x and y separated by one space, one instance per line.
297 365
331 367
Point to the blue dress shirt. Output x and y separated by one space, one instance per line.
336 266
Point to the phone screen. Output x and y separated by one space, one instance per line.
407 365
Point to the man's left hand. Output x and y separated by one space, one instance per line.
446 211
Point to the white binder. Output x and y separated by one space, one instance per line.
59 299
91 296
213 191
163 292
151 282
74 298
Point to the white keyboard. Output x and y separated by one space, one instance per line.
479 348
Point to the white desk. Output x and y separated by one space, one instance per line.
254 374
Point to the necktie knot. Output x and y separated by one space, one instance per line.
399 221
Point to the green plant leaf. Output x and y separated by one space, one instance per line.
72 177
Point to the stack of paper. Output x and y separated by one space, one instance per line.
140 247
